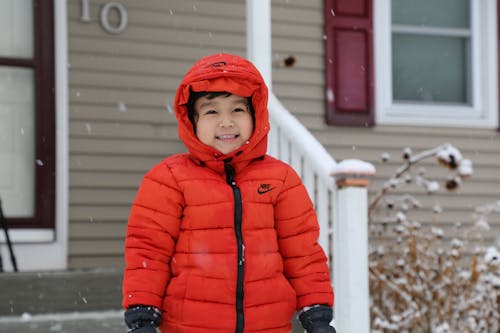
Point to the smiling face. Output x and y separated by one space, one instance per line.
223 122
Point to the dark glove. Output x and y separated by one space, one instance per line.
317 319
145 329
142 319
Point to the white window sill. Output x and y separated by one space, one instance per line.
30 236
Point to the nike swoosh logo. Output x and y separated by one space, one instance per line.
264 189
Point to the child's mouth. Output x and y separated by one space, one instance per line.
227 137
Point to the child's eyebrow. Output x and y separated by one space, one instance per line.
242 100
204 104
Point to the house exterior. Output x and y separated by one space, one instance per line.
86 92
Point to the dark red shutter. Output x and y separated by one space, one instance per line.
349 62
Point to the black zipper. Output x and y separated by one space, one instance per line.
240 317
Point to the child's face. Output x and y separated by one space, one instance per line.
224 122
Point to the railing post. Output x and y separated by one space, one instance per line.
350 246
258 35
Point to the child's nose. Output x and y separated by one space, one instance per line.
226 122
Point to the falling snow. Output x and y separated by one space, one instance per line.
122 107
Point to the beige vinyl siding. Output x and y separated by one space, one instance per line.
121 94
297 31
120 124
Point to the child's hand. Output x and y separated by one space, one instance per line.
142 319
317 319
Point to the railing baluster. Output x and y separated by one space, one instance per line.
296 159
284 147
308 178
322 212
273 144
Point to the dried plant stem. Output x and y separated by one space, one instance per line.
401 171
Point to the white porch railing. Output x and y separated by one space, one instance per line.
339 194
292 143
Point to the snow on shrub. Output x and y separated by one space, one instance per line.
422 282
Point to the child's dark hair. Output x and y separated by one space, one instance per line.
194 96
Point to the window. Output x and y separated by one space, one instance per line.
431 52
435 62
27 153
429 62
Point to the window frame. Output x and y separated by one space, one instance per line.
483 111
43 67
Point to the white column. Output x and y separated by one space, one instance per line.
350 269
350 247
258 13
62 135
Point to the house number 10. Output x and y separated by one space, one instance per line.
104 16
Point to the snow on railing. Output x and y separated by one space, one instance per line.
292 143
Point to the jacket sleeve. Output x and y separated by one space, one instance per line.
305 263
152 230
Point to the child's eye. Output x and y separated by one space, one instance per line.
240 110
210 112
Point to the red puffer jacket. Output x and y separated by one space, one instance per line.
224 243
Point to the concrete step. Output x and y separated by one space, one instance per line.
73 322
55 292
77 301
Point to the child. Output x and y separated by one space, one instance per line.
224 238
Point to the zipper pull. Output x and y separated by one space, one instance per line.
228 168
242 253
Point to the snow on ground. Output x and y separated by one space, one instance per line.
91 315
110 321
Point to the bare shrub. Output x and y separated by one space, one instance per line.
420 280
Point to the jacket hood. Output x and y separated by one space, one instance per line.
234 74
